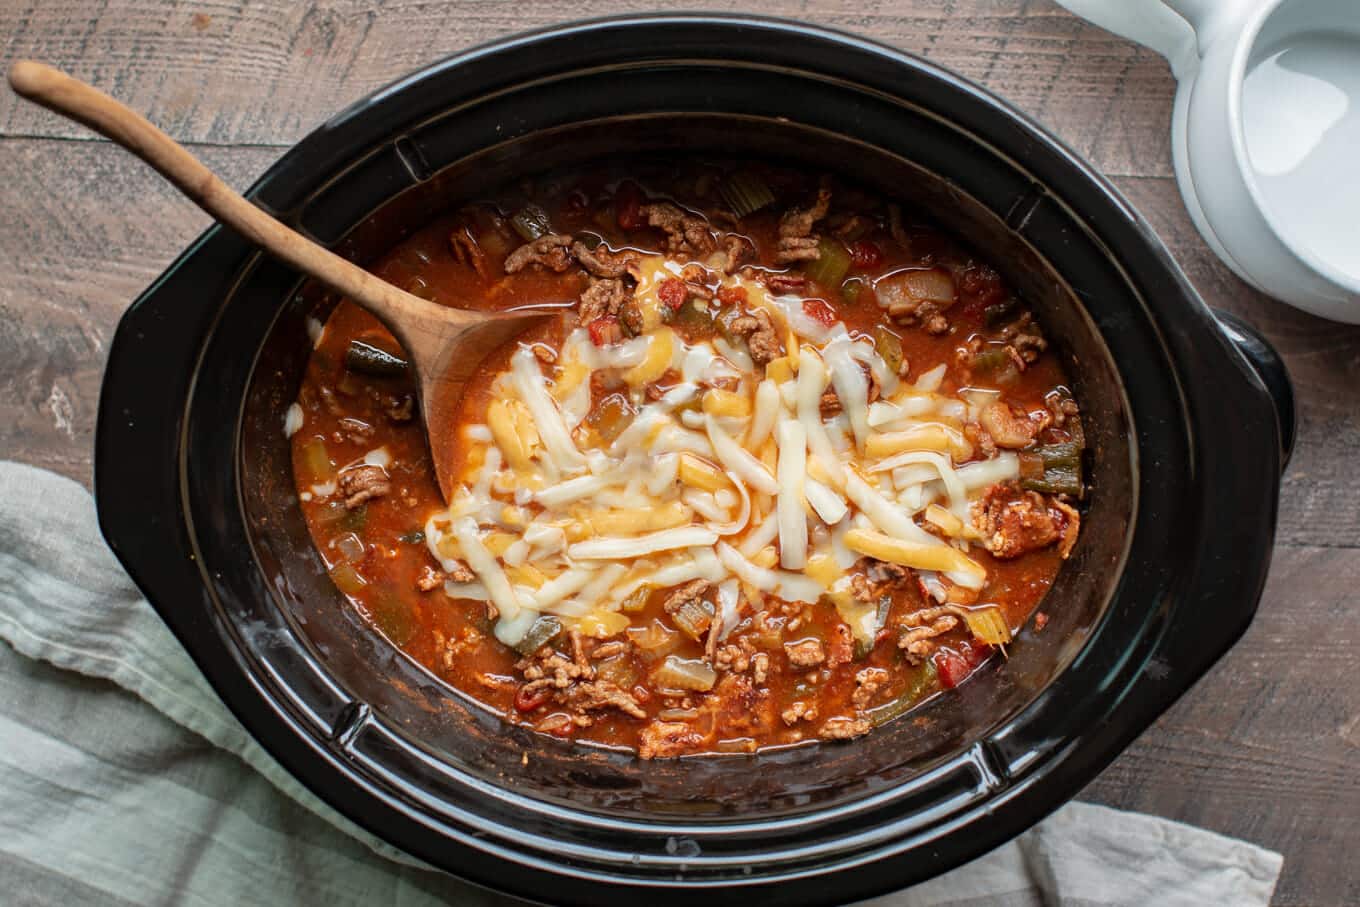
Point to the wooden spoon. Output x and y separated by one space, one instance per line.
444 345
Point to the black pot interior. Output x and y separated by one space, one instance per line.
362 215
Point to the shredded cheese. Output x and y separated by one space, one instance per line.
726 473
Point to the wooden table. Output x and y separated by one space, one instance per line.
1267 747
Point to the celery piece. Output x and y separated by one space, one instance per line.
745 192
831 265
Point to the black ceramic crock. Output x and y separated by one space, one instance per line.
1190 420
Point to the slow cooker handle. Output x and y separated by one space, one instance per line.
1269 367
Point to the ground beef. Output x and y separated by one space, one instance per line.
548 667
797 242
1024 341
602 694
552 252
602 298
686 234
400 409
356 431
874 578
602 261
840 728
980 439
608 650
917 631
1070 528
840 647
799 711
867 684
692 591
544 353
761 338
1007 426
458 572
363 484
760 667
429 578
665 739
469 252
736 251
1061 408
806 653
1013 522
736 657
782 283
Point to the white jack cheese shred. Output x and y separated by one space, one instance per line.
723 471
792 441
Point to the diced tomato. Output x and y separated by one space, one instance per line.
672 293
865 255
628 206
820 311
527 702
732 295
954 665
605 330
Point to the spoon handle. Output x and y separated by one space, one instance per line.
85 104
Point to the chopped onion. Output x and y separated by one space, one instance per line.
685 674
620 548
292 420
378 457
987 624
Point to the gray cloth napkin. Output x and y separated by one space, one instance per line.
123 778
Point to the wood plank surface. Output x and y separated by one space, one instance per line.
1267 747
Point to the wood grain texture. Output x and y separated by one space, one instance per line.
1266 747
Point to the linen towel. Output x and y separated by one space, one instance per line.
124 780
